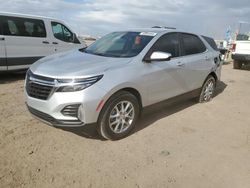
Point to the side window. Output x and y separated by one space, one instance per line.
168 43
23 27
61 32
192 44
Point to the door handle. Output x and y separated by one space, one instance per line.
54 42
45 42
207 58
2 38
180 64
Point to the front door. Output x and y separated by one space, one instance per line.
163 77
64 39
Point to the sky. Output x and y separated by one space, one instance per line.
99 17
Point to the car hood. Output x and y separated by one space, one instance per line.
76 64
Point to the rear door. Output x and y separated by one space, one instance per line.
63 38
26 41
3 65
195 61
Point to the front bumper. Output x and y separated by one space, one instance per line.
50 110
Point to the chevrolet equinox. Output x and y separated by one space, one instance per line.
112 80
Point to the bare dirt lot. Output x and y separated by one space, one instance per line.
185 145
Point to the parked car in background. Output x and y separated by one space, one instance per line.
241 47
25 38
112 80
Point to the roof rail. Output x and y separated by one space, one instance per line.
163 27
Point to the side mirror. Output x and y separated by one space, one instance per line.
159 56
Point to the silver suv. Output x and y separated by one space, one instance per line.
112 80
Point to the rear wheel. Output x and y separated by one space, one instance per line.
118 116
207 91
237 64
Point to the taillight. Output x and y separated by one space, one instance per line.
233 47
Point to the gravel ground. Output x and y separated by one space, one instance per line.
185 144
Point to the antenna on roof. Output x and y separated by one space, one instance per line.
163 27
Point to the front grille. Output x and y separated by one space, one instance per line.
39 87
71 110
53 121
38 91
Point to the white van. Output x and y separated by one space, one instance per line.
25 38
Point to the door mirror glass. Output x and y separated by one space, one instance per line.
160 56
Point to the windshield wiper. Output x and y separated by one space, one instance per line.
82 49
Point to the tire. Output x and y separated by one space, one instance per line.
115 123
207 91
237 65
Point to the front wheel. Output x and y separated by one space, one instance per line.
207 91
118 116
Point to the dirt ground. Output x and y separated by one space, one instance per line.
185 145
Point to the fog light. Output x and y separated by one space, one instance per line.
71 110
80 114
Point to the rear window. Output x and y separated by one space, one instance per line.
244 32
192 44
23 27
242 37
211 42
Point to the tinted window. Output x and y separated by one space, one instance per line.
192 44
167 43
1 28
23 27
211 42
61 32
120 44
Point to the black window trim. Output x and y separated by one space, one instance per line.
4 18
1 26
149 52
63 31
181 44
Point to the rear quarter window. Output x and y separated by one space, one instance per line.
191 44
211 42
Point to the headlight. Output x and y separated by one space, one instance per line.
71 85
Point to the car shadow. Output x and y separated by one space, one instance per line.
148 116
8 77
161 110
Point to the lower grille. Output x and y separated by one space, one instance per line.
52 120
42 115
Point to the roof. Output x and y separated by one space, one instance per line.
154 30
24 15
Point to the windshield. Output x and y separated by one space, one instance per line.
120 44
244 31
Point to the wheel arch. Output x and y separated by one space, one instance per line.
131 90
214 75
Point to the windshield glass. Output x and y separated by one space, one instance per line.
244 31
120 44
